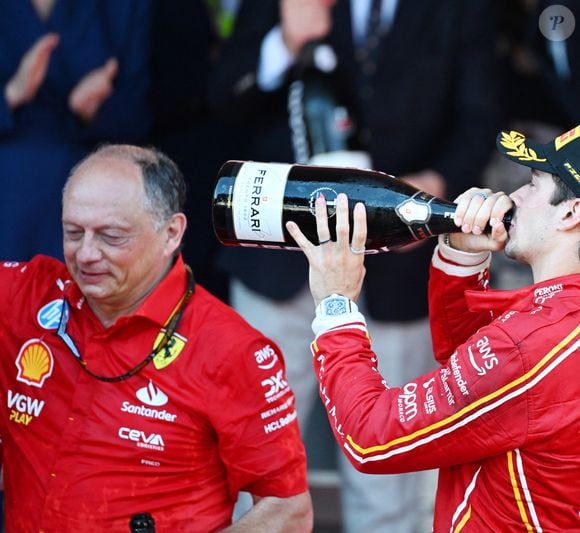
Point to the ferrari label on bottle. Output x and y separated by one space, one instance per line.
258 199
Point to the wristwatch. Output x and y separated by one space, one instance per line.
335 305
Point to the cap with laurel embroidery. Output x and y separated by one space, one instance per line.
560 156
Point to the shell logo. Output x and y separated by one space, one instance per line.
34 362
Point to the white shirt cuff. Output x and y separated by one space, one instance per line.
275 60
458 263
322 324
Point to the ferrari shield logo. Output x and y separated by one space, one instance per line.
170 352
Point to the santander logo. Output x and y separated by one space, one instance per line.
152 395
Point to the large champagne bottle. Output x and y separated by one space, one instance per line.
252 202
323 126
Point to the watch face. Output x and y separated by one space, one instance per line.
335 306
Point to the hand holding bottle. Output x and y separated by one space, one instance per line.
335 267
477 208
303 21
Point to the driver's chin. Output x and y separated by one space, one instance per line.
510 250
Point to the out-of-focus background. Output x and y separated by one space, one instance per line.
430 83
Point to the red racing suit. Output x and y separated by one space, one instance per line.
500 417
209 416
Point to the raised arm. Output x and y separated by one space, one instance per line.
335 268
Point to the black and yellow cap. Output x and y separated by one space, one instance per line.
560 156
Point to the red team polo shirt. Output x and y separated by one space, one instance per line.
208 417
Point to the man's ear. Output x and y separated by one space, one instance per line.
174 232
571 218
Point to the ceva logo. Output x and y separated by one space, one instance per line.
153 441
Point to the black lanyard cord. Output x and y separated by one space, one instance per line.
168 332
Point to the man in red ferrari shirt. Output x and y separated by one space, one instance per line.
500 417
128 389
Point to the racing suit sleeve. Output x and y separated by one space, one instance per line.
449 317
449 416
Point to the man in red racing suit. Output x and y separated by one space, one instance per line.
500 417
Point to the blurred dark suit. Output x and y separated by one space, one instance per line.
433 106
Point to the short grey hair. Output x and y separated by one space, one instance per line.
165 188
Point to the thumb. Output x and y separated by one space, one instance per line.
111 68
47 43
41 50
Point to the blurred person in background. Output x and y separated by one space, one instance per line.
423 84
72 74
186 37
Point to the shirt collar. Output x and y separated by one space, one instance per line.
158 306
520 299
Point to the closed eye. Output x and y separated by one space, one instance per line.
114 240
73 235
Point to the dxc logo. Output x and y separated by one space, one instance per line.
275 383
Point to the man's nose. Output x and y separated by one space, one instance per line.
515 196
88 250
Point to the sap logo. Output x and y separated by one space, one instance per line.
23 409
407 403
153 441
152 395
266 358
275 384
